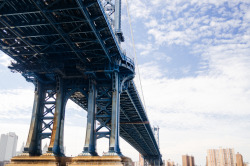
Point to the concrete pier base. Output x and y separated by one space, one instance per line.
70 161
100 160
39 161
96 160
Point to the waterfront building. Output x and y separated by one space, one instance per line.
221 157
239 160
187 160
168 163
141 160
8 143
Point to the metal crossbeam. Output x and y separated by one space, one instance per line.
20 37
48 34
87 16
22 25
71 42
145 142
47 117
155 145
58 29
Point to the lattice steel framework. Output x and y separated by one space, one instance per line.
69 50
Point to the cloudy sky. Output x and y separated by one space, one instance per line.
194 62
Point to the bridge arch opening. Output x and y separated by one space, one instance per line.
75 122
102 144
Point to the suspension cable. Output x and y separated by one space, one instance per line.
136 62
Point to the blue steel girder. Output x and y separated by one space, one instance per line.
32 37
19 37
103 114
138 106
39 23
72 39
92 25
48 113
138 133
134 124
52 22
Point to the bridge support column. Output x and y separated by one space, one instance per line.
114 148
33 144
90 138
56 142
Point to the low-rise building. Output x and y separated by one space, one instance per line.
239 160
188 160
169 163
221 157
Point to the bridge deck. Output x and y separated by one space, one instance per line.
72 38
56 37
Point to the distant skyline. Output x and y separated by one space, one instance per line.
194 61
8 144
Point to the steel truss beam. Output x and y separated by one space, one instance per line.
59 30
92 25
26 12
42 118
56 43
20 37
53 60
136 108
34 24
47 34
145 142
108 114
103 115
48 115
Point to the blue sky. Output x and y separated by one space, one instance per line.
194 61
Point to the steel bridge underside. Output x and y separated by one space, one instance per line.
72 38
134 124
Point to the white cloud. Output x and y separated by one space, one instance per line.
145 49
4 59
139 9
212 105
183 23
152 23
150 71
16 107
203 94
161 57
208 110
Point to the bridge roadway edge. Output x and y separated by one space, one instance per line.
70 161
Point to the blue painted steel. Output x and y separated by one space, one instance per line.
90 138
73 41
36 128
114 146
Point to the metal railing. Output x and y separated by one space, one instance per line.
108 19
